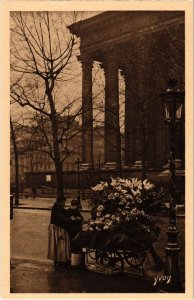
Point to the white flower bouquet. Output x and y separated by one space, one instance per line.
118 218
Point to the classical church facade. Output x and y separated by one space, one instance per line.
147 47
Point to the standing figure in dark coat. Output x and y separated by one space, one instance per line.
74 226
34 192
58 239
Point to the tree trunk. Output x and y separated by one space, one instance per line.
59 178
16 164
55 133
57 160
58 163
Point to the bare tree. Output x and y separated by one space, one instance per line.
16 158
20 137
42 59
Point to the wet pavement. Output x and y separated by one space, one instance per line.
36 277
29 233
29 239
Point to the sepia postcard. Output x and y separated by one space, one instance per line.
96 149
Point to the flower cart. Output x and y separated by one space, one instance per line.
120 231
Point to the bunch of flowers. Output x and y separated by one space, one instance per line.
118 210
129 194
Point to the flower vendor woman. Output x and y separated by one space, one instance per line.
75 223
58 239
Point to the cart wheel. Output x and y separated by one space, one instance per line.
92 253
100 256
134 259
113 259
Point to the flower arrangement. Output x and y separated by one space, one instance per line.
119 217
130 193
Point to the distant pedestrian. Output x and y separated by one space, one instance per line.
34 192
58 239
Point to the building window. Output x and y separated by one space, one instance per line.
48 178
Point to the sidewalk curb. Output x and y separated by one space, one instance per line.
82 210
30 260
43 208
31 207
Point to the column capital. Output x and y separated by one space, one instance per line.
109 57
85 59
128 70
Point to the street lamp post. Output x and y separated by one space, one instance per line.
172 101
83 185
22 184
78 163
11 207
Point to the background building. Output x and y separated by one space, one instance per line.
146 48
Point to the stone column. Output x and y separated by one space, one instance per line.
130 115
112 129
143 63
87 112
